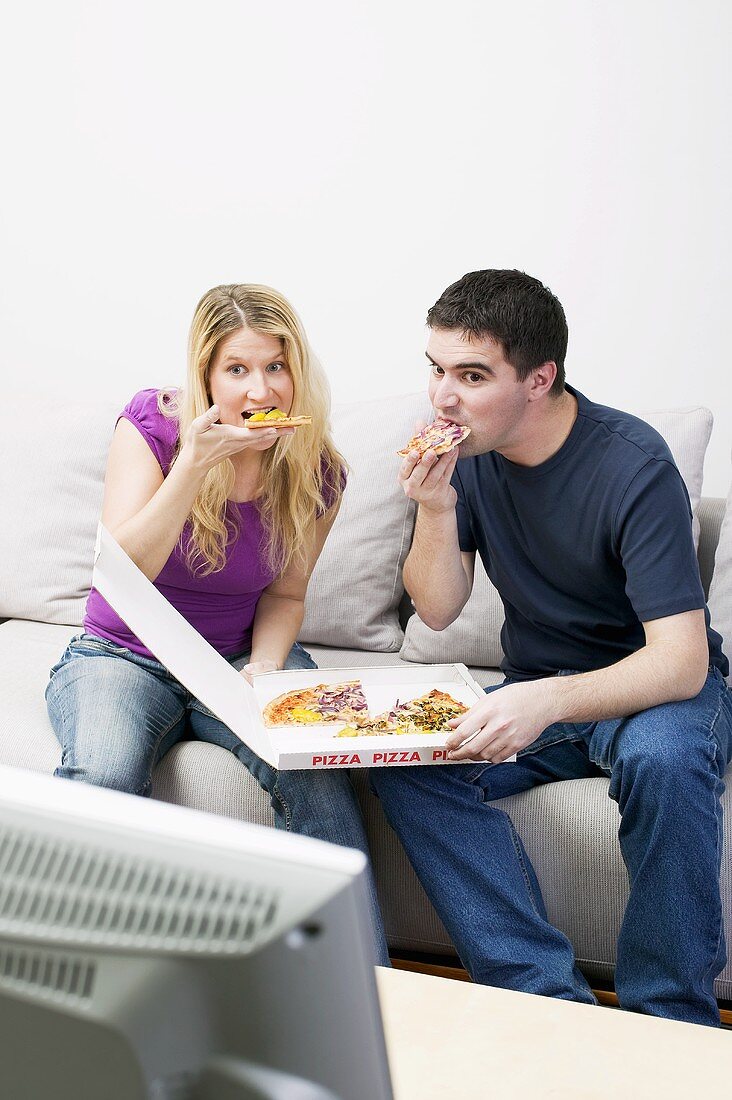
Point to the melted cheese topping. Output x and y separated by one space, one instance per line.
304 714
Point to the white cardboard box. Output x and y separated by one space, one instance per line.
318 746
197 665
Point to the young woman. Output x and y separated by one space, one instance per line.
228 523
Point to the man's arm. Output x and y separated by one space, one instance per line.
671 666
437 575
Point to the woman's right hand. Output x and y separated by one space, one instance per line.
207 442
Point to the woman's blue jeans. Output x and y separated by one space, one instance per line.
116 714
666 768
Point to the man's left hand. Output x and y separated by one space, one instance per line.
255 667
504 722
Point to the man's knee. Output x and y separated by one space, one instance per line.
665 754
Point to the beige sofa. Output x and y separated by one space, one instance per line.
51 472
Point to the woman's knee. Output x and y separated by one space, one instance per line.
113 774
110 721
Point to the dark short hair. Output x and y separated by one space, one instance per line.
513 308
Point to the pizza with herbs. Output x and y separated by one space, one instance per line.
441 436
343 702
429 713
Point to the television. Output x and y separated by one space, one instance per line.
152 952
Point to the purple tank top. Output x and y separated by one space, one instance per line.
221 605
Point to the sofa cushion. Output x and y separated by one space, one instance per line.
354 593
54 492
474 637
687 433
53 474
720 592
570 829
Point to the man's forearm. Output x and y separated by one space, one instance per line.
657 673
433 573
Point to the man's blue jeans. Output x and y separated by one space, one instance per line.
116 714
666 768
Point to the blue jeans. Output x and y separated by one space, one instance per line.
666 768
116 714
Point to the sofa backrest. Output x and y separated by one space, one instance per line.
720 590
51 487
51 490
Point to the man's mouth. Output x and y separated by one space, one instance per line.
262 409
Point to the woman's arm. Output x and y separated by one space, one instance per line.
146 512
281 606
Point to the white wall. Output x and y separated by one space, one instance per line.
360 157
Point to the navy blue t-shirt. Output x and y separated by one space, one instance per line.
586 546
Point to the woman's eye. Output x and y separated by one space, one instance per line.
236 370
275 367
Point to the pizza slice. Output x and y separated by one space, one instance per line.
441 436
429 713
273 418
371 727
344 702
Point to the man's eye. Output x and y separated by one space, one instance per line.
472 376
437 370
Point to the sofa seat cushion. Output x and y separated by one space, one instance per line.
569 829
28 652
331 657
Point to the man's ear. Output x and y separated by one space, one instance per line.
542 380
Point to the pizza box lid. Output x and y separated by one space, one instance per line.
210 677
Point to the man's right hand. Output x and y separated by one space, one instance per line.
426 478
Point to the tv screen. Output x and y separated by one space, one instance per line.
151 952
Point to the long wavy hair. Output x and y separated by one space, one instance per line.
301 474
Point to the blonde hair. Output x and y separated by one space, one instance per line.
301 473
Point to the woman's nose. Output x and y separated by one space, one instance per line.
258 385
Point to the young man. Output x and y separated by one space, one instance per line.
583 524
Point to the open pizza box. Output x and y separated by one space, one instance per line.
197 665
